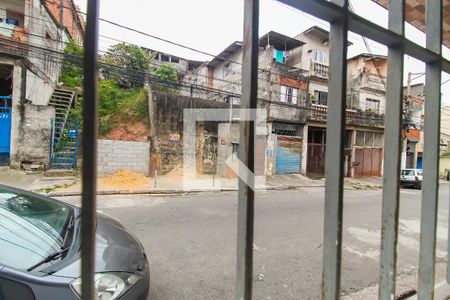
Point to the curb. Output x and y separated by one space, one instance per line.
169 192
178 192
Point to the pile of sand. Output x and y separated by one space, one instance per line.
176 172
124 179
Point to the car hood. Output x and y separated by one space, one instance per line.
115 250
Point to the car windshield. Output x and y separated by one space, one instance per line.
407 173
31 228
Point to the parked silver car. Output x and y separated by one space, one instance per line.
411 178
40 252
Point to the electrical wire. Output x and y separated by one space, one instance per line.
225 59
232 83
136 76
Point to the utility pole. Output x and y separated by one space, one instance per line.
61 14
61 23
405 125
407 118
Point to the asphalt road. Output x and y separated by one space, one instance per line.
191 241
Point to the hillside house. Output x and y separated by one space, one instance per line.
33 33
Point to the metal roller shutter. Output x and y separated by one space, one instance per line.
288 154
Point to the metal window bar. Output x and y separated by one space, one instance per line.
246 194
392 154
89 171
430 185
334 160
335 12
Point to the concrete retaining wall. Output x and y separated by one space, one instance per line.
119 155
33 127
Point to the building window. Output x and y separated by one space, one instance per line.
369 139
234 151
78 40
317 136
372 105
48 40
359 138
174 60
165 57
321 97
321 57
227 69
279 56
288 94
14 18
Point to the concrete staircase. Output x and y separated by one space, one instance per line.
63 152
62 100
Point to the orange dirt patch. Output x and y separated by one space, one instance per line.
124 179
133 131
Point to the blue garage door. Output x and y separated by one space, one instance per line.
288 154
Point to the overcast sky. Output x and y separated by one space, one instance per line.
211 25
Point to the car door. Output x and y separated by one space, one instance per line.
403 175
407 176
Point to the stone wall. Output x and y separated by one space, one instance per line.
227 137
122 155
166 113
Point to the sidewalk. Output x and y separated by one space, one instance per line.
173 185
59 185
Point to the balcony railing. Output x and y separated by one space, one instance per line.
17 33
374 82
318 69
319 113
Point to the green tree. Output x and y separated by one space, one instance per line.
126 65
167 74
72 69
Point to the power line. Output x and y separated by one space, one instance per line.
42 20
180 45
139 76
368 49
156 65
173 43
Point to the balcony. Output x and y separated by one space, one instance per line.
319 113
373 82
318 69
18 34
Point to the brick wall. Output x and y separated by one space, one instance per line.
71 23
119 155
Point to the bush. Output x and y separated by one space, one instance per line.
126 65
72 70
168 76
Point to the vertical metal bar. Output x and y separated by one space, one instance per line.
448 241
392 156
334 159
430 185
246 194
52 141
89 179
